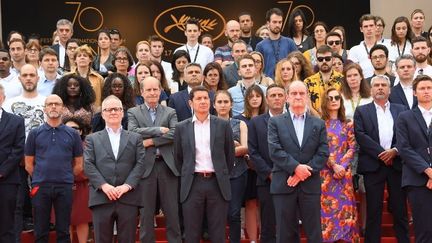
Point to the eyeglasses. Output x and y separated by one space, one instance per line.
4 59
378 57
334 98
32 50
115 109
122 59
257 61
327 59
330 43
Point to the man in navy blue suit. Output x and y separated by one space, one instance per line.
379 161
414 134
260 158
12 138
180 101
402 93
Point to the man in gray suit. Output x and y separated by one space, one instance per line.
113 162
204 148
156 123
298 148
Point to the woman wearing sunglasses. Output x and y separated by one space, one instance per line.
355 89
338 203
334 41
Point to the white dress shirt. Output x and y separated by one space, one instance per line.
62 54
385 125
203 54
427 115
408 91
203 159
114 137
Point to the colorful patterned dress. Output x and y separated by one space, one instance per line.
338 204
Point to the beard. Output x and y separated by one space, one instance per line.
275 30
420 58
29 88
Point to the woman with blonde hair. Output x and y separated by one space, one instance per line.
263 32
260 77
285 73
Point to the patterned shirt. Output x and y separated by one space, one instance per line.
223 53
317 86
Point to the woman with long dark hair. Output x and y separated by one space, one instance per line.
179 61
213 77
298 32
103 62
401 35
320 30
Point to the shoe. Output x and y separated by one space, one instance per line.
205 235
28 226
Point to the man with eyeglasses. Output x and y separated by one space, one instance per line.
53 156
420 51
114 164
379 161
379 58
379 34
8 79
325 78
116 40
49 63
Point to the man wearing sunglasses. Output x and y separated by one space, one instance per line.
379 161
334 41
323 79
9 80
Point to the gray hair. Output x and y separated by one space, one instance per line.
405 57
111 97
380 77
64 22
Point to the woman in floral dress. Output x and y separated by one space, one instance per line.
338 204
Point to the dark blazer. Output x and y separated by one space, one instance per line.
286 152
140 122
398 96
12 139
231 75
179 101
367 136
222 153
414 143
101 167
259 149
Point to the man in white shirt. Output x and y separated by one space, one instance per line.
360 53
49 63
197 52
420 51
65 32
402 93
10 82
156 52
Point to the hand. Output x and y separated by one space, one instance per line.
164 130
110 191
236 143
429 184
303 171
339 171
148 142
270 177
122 190
428 172
387 156
293 181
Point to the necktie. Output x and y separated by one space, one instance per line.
152 112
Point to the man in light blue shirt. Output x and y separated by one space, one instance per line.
49 63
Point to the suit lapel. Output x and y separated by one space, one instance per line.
291 129
124 137
106 143
185 97
191 135
159 114
146 115
212 131
419 117
4 120
402 95
373 115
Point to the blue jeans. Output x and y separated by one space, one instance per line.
58 196
238 188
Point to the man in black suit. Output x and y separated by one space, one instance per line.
12 138
180 101
298 148
379 161
414 135
204 150
156 123
402 93
260 158
64 29
114 164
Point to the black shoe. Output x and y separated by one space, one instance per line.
28 226
205 235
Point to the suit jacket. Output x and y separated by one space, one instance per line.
259 149
414 143
101 167
56 48
398 96
367 136
222 153
12 139
140 122
231 75
287 153
179 101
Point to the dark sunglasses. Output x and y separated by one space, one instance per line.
335 98
327 59
5 59
330 43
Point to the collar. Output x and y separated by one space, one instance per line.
110 130
406 87
386 105
303 115
194 118
148 107
47 126
192 48
424 111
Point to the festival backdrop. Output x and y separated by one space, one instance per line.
138 19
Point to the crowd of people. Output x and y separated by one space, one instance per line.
288 127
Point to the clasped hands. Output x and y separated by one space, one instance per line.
301 173
114 193
387 156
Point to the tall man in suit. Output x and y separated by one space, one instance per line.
298 148
156 123
260 158
180 101
379 161
113 162
64 29
12 138
204 149
402 93
414 134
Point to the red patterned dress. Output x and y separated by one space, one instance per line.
338 204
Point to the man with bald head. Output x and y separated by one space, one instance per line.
156 124
298 148
53 155
223 53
